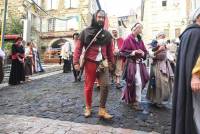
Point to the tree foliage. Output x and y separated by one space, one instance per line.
14 26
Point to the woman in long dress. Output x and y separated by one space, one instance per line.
161 73
17 73
36 59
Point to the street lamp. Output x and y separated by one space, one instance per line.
3 24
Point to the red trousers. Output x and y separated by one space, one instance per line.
90 77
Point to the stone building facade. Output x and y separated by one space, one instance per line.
50 23
15 9
170 16
164 15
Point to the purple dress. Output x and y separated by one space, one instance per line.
131 44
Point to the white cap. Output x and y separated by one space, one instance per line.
195 14
160 33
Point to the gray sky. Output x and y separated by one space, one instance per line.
119 7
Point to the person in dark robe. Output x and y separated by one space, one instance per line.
135 73
17 73
185 117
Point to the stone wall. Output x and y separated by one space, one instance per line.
15 8
83 13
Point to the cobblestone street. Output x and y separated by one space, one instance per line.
56 97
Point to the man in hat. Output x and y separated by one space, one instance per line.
96 61
186 97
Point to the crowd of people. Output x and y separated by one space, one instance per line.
25 61
107 58
174 70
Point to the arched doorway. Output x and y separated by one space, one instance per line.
52 55
58 43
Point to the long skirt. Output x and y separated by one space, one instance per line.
133 89
28 67
160 86
67 66
17 72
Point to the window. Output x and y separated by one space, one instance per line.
177 32
164 3
71 3
36 22
51 25
73 24
44 25
52 4
60 25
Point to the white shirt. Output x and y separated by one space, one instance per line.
66 50
2 54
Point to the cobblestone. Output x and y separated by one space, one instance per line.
56 97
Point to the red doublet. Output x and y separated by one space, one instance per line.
91 66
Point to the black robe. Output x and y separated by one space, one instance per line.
182 113
17 72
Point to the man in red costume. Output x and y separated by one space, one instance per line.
117 44
97 59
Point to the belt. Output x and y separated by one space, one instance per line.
137 61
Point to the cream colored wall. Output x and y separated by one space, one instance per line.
195 4
158 18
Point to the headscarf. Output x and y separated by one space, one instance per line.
88 34
160 34
139 37
195 14
115 29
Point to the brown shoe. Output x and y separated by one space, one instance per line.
104 114
137 106
88 112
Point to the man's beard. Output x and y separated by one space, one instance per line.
100 24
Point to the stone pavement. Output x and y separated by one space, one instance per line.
56 97
35 77
12 124
47 67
